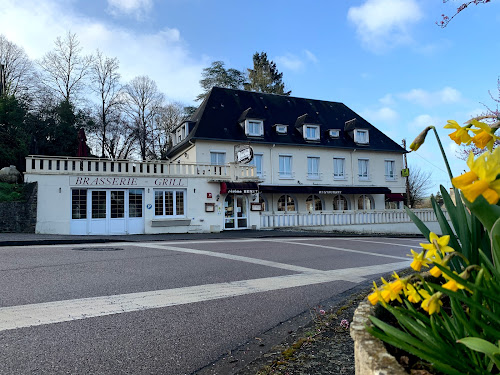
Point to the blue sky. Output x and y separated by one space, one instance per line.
385 59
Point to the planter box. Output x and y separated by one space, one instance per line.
370 355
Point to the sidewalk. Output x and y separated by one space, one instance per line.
30 239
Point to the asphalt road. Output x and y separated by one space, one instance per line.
169 307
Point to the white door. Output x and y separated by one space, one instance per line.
98 214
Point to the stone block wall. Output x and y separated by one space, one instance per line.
20 217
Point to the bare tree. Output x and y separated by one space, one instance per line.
105 82
492 117
168 117
142 103
120 139
65 69
18 70
418 181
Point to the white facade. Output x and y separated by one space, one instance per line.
99 196
303 174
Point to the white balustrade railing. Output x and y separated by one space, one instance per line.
280 220
97 166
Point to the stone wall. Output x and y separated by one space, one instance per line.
20 217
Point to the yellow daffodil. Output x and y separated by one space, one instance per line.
412 294
437 243
419 141
376 296
393 290
431 303
419 260
453 285
461 133
485 135
482 178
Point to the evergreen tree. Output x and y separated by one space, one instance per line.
13 135
264 77
217 75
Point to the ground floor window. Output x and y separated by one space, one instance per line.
286 203
313 203
263 202
135 203
392 205
340 203
365 202
79 203
169 203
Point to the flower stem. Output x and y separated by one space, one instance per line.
443 153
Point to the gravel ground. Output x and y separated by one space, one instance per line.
321 347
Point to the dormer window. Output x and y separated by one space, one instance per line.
281 129
254 128
311 132
334 133
361 136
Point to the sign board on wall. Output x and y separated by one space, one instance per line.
126 182
243 153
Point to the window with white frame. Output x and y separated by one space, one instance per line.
339 168
281 129
390 173
334 133
285 166
311 132
170 203
254 128
365 202
361 136
340 203
286 203
313 203
313 167
217 157
257 162
363 173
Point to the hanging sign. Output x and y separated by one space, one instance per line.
243 153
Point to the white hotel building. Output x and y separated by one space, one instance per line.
315 164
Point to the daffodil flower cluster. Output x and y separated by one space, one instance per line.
483 135
482 179
434 253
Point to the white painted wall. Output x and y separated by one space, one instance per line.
299 164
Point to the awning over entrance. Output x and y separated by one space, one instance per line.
303 189
239 188
394 197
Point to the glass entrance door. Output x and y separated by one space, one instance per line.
235 212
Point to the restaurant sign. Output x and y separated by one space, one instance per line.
93 181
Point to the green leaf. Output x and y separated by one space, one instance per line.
482 346
445 227
419 223
487 213
454 213
495 243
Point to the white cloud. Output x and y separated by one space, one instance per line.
382 116
387 100
296 63
137 8
447 95
382 24
420 122
161 55
290 62
311 56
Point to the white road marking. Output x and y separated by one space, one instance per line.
346 250
385 243
15 317
240 258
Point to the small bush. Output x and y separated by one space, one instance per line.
11 192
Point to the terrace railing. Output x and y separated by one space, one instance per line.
95 166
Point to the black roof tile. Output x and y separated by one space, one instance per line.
219 115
